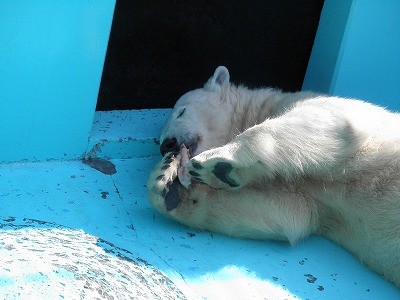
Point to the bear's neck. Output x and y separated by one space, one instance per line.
251 107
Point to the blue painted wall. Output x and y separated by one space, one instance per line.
51 60
357 51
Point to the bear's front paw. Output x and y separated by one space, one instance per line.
163 184
216 172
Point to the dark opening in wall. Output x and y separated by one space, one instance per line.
158 49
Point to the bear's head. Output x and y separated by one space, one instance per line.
201 118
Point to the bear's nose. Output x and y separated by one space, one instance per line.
169 145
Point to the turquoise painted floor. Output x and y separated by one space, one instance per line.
69 231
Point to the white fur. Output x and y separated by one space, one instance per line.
302 164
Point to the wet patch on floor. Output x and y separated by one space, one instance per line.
104 166
43 259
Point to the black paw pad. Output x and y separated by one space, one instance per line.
168 161
172 199
222 170
164 167
160 177
193 173
169 156
197 166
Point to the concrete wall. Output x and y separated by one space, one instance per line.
52 55
357 51
51 60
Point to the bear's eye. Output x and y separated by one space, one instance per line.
181 113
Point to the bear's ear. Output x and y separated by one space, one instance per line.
219 80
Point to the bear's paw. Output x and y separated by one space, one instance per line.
216 172
163 183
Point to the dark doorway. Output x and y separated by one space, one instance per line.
160 49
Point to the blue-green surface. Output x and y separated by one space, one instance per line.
327 46
51 60
138 137
356 51
67 206
68 231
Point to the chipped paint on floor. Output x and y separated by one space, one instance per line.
99 232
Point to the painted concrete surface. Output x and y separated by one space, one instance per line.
327 46
356 51
51 60
81 266
68 231
126 134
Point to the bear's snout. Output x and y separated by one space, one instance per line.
169 145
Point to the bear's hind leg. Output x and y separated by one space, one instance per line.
277 212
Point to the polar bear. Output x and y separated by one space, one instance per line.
263 164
